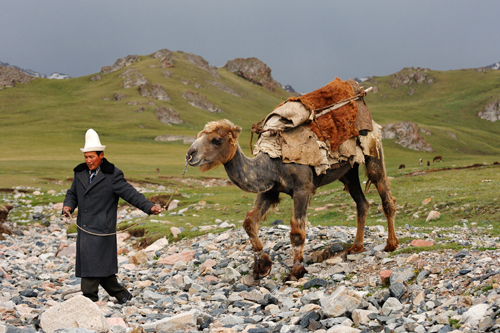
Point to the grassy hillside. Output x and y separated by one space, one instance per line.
446 107
44 122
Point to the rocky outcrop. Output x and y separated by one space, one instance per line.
166 58
202 63
186 139
119 96
167 116
155 91
78 311
9 76
200 101
131 77
407 135
120 63
223 88
253 70
491 112
410 76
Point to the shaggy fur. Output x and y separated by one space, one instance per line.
335 126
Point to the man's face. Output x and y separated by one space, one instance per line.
93 160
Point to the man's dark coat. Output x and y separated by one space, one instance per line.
97 203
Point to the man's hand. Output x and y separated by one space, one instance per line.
66 211
155 210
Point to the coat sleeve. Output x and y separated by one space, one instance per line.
71 198
124 190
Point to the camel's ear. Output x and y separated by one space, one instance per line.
236 131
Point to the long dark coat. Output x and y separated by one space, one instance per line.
96 256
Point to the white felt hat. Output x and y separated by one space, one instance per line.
92 142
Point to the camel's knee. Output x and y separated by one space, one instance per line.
249 224
297 239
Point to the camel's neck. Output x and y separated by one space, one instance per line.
254 175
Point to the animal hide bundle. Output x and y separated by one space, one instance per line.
292 133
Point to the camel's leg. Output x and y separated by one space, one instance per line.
376 174
298 233
262 262
352 185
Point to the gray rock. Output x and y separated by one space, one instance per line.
78 310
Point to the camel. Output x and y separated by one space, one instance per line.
218 144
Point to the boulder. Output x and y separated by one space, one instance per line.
340 302
120 63
200 101
78 311
201 63
491 111
167 116
407 135
253 70
155 91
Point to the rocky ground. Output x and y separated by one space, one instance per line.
205 284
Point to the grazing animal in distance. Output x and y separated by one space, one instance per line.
218 144
420 161
157 171
428 163
402 166
437 158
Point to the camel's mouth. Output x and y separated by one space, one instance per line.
194 160
194 163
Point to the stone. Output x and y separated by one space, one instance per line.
385 276
360 317
180 322
397 290
340 301
433 215
175 231
116 321
67 250
157 245
173 204
403 274
209 263
474 314
185 256
138 258
79 311
391 305
343 329
421 243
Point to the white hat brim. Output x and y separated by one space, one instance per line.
88 149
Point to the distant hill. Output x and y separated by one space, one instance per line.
56 76
134 101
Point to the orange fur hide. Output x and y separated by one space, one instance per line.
337 125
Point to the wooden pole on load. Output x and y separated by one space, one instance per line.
344 102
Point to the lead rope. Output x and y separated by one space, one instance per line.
69 220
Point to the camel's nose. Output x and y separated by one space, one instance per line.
190 154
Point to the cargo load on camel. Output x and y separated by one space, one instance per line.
325 129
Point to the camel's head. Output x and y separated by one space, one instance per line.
215 145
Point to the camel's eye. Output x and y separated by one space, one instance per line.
217 141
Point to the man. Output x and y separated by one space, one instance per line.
96 189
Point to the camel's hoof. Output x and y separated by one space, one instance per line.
391 246
262 267
296 273
355 249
